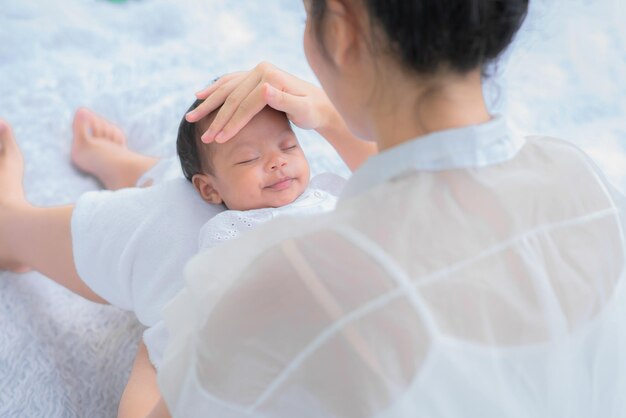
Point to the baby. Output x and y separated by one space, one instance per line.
259 175
130 245
263 168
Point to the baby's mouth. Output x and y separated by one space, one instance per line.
281 184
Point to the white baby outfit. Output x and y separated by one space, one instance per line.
130 246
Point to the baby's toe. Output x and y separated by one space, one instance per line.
7 140
118 136
80 125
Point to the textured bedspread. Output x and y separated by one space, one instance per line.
139 62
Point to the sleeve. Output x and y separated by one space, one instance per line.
165 169
155 338
289 331
104 226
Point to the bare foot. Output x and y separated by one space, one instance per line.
99 148
11 192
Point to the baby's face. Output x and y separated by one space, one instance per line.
262 166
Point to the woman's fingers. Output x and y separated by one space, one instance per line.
298 108
217 83
215 100
242 95
244 99
235 87
205 92
227 125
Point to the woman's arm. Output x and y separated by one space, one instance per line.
242 95
141 397
352 150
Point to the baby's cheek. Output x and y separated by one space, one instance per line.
304 180
254 197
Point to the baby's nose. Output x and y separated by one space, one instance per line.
277 162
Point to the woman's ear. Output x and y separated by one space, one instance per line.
205 185
341 39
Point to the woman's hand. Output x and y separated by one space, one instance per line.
244 94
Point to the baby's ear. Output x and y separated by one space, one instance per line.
205 185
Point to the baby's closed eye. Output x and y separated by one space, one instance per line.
246 159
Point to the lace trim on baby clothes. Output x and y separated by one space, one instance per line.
320 197
230 224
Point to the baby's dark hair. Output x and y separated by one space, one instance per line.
427 36
188 145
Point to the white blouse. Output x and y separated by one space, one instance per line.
467 273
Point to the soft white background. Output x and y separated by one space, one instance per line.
139 63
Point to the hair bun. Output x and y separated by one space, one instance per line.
426 35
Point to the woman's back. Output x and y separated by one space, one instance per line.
482 276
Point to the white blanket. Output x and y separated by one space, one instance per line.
139 63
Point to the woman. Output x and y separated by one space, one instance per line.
467 271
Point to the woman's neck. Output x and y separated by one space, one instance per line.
445 102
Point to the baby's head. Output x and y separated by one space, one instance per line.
262 166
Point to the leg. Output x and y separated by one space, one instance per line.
99 148
39 238
141 395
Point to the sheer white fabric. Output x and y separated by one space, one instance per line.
491 289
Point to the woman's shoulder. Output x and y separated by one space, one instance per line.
558 147
566 158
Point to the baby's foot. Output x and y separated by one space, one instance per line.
99 148
96 145
11 192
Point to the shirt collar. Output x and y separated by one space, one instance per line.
472 146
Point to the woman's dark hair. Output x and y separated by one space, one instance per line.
430 35
187 146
